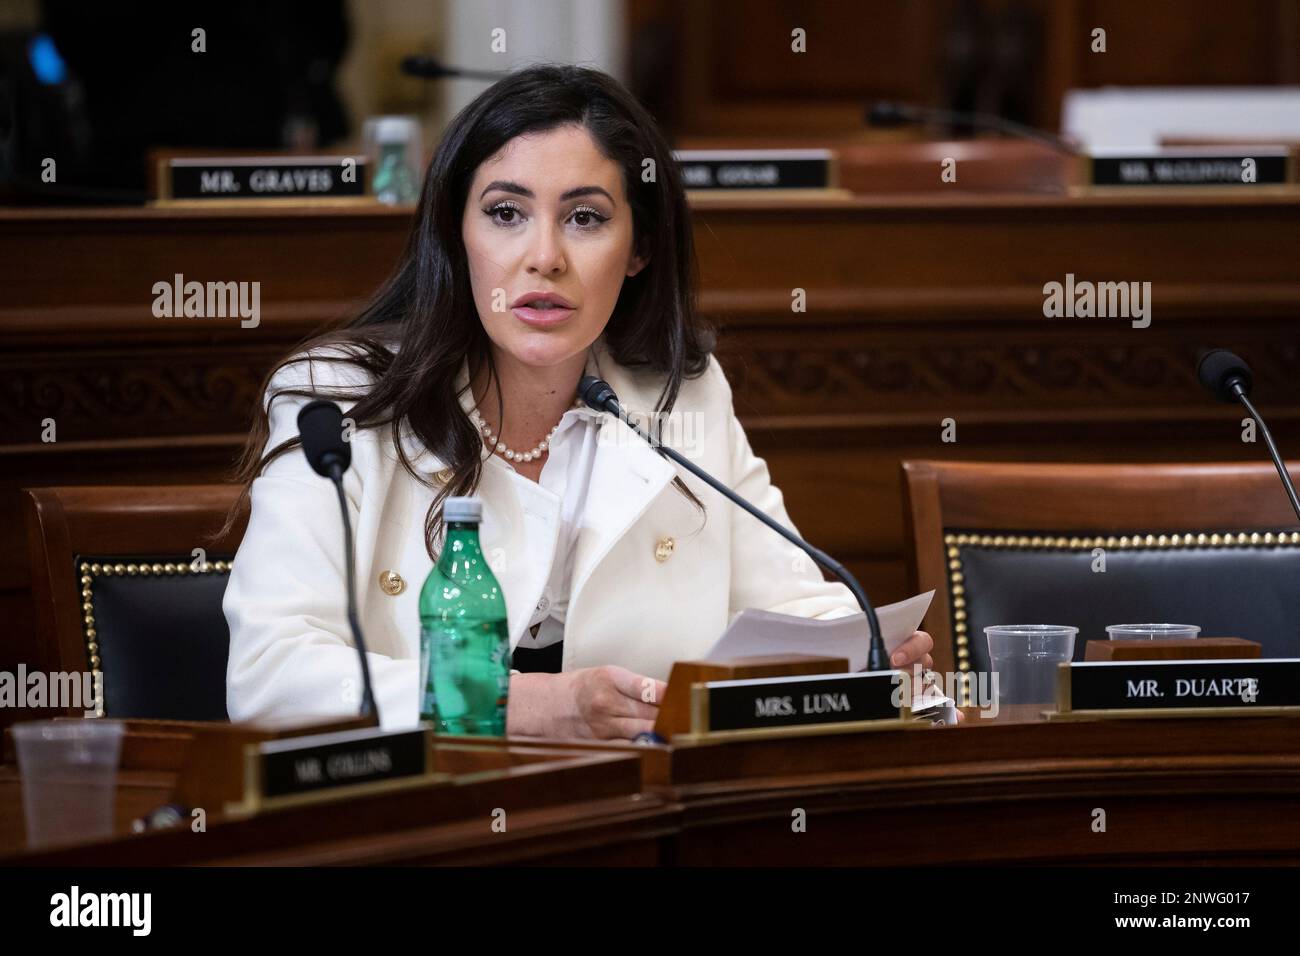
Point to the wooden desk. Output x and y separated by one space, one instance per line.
561 805
1174 792
919 309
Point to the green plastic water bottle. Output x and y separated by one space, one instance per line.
395 184
394 181
464 639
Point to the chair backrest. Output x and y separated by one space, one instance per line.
1088 545
127 584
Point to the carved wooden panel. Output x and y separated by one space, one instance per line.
917 310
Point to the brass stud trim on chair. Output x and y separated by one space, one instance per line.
89 632
955 541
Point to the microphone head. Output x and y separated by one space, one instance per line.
596 393
320 425
426 67
1219 370
886 113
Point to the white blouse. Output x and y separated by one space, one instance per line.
564 480
560 495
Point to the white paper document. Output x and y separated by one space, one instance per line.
755 633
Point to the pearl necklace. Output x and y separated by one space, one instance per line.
494 442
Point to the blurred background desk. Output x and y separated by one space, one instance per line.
920 308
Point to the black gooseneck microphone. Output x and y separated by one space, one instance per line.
320 425
886 113
1228 379
431 68
597 394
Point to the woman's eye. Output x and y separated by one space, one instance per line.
509 214
505 214
587 218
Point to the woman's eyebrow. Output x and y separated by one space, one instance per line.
507 186
586 191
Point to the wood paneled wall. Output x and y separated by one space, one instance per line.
726 67
917 310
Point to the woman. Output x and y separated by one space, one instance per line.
552 239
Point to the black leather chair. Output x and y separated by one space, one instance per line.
121 593
1211 545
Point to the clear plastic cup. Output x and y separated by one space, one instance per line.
1025 658
69 775
1145 632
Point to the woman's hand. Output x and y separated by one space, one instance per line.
595 702
916 649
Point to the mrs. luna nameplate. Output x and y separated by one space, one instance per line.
1140 688
811 700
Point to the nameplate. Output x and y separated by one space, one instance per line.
303 766
1219 685
768 703
1192 166
765 169
256 178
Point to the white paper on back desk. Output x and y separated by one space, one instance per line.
755 633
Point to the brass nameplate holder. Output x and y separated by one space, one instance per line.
1192 167
333 766
675 709
260 179
767 172
1239 687
800 705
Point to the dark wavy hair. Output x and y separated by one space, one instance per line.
427 307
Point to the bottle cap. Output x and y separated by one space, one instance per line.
394 129
462 509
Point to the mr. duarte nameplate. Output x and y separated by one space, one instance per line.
1223 686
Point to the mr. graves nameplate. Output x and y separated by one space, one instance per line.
280 177
768 702
1232 684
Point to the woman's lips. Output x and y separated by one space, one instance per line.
541 318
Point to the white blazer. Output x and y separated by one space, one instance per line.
654 581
